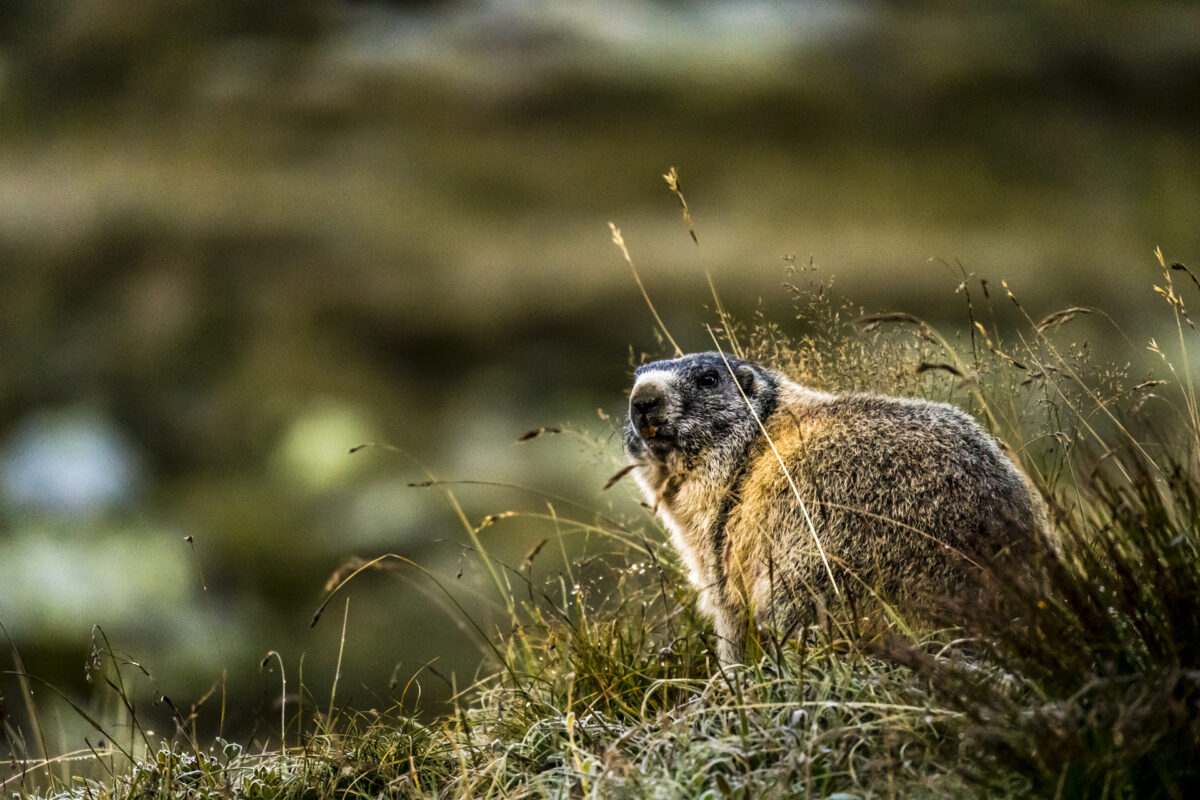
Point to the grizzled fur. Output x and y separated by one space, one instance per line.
905 495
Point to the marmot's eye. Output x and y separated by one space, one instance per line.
708 380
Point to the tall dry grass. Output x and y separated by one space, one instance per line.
1077 678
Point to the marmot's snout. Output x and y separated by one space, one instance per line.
648 410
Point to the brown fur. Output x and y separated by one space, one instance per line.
907 497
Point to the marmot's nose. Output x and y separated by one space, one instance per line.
646 406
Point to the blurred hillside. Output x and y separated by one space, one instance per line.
238 239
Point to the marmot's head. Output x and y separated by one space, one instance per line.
687 405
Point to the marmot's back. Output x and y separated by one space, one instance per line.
901 493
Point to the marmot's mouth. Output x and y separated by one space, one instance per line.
658 439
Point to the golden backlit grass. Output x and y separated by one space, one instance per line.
602 680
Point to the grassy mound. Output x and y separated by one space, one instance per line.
1079 677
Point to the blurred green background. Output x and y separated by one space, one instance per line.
237 239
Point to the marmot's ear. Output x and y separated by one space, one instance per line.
746 378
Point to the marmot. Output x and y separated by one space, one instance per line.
904 496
